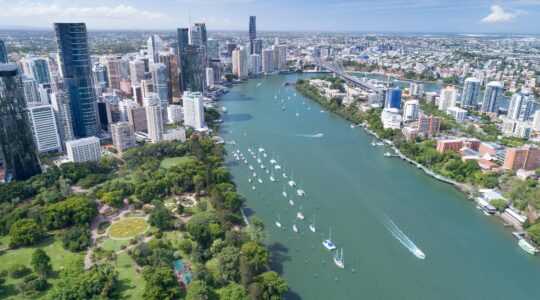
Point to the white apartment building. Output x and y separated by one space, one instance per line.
83 150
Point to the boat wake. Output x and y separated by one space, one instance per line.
402 238
318 135
259 84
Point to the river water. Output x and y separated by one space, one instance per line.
378 207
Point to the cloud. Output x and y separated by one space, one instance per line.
499 15
38 9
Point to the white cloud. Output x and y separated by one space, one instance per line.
499 15
38 9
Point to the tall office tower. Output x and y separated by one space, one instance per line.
257 46
470 93
393 98
280 57
447 98
136 70
62 108
197 35
203 34
267 61
124 107
105 115
30 88
240 63
209 77
230 48
182 36
16 143
45 90
252 33
137 93
155 45
114 106
414 89
193 69
159 75
114 72
154 118
3 53
213 49
38 68
521 106
100 75
44 127
410 110
170 61
123 136
193 110
492 97
137 118
255 64
77 73
83 150
215 64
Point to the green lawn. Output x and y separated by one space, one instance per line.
131 284
111 244
59 259
128 228
173 161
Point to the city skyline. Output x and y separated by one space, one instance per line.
478 16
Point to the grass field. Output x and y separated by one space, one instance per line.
131 284
60 258
173 161
128 228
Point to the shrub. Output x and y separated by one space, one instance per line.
19 271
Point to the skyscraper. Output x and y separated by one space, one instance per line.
393 98
447 98
123 136
197 35
182 35
159 75
30 89
492 97
76 70
252 32
136 70
3 53
209 77
213 49
193 110
155 45
280 57
257 46
16 143
193 69
267 61
470 93
114 72
170 60
255 64
240 63
44 127
38 68
154 117
62 108
521 106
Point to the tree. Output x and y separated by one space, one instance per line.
161 283
161 217
100 282
499 204
77 209
273 286
228 261
25 232
534 232
41 263
233 291
255 231
199 290
77 238
202 228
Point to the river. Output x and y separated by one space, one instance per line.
353 188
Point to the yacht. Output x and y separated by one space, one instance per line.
300 192
312 225
261 149
251 167
284 193
245 162
249 180
291 202
338 259
418 253
291 182
277 167
322 111
278 222
273 161
294 228
266 171
283 108
284 175
300 214
254 174
252 187
262 166
272 178
265 155
259 180
224 109
259 160
527 247
328 243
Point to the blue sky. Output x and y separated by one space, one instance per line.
472 16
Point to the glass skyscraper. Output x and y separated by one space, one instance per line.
3 53
183 42
76 70
16 141
252 33
492 97
192 69
393 98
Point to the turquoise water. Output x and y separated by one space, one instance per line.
353 188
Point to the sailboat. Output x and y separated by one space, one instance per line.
328 243
251 167
273 161
291 202
294 228
312 225
300 214
259 180
297 113
278 222
300 192
284 193
291 182
338 259
272 177
249 180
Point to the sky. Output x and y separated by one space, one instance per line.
451 16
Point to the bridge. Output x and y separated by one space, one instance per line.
337 68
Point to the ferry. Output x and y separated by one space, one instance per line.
338 259
278 223
527 247
418 253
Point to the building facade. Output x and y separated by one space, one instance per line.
45 128
193 110
123 136
84 150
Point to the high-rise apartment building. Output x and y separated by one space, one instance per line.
521 106
411 110
159 75
393 98
154 118
31 92
193 110
267 61
255 64
76 70
209 77
136 70
37 68
280 57
213 49
240 63
170 60
526 158
114 72
492 97
123 136
83 150
447 98
137 118
17 147
470 93
429 125
44 127
62 108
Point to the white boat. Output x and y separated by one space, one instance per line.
254 174
223 109
249 180
259 160
284 175
278 222
262 166
249 150
251 167
418 253
352 126
322 111
267 172
273 161
245 162
284 193
283 108
272 178
300 214
294 228
261 149
309 108
291 182
318 135
328 243
387 154
338 259
277 167
291 202
527 247
300 192
259 180
312 225
252 187
265 155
